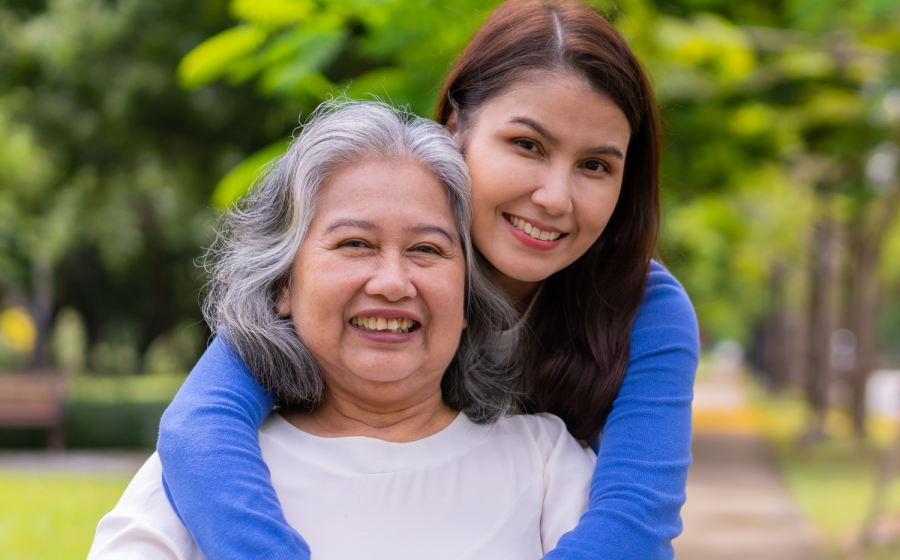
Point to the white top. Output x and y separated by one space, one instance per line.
504 491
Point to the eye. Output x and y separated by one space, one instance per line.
354 243
427 249
527 145
595 165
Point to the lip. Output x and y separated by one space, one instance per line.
531 241
385 337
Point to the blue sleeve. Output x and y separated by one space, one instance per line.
638 486
213 470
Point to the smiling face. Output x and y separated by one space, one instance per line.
546 159
377 289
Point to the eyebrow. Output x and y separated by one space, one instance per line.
422 228
540 129
418 228
345 223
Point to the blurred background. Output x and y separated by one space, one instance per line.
126 126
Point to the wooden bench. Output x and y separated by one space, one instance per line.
34 400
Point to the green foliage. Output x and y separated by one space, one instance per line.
158 388
303 52
107 165
235 184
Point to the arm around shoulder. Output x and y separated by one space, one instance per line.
638 486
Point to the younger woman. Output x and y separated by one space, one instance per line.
560 130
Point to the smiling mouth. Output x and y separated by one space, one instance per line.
380 324
529 229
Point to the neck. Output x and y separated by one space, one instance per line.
343 415
520 291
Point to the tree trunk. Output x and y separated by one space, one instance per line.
776 341
821 323
869 231
41 311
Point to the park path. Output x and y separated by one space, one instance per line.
121 463
738 507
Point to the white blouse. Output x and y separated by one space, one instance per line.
508 490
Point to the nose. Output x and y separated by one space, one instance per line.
391 280
555 194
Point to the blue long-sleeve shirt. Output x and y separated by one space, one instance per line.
218 483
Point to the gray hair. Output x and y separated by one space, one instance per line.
259 238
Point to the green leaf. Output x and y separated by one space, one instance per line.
212 58
238 181
275 13
313 52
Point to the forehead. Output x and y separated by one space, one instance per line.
563 101
386 192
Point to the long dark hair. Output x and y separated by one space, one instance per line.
575 348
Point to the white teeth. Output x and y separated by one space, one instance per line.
394 324
533 231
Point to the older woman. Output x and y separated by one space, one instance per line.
348 283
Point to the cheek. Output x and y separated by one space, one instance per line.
447 303
495 181
320 293
594 210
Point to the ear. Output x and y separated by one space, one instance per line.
283 303
453 125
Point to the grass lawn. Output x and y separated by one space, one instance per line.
46 516
833 481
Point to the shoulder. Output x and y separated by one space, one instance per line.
545 432
143 523
536 426
665 312
665 296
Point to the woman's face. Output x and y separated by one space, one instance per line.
546 160
377 289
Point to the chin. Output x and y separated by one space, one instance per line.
527 274
388 377
386 371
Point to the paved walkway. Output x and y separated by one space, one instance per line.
738 507
75 462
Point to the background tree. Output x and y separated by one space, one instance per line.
122 123
108 166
